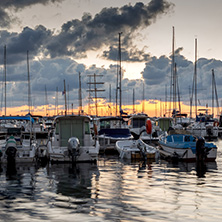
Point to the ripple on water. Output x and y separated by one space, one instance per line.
112 190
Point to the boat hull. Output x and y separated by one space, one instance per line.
128 149
185 154
61 154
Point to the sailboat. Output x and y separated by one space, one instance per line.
204 126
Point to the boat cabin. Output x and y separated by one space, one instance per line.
137 121
165 123
72 126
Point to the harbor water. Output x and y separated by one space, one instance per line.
112 190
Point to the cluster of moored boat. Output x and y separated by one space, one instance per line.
79 138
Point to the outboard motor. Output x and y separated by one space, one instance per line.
209 130
141 147
201 154
73 147
11 149
200 149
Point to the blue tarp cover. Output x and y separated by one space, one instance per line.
16 118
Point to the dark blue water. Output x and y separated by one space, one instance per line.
112 190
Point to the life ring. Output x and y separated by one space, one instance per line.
95 129
148 126
216 123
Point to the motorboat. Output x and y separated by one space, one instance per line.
138 121
111 130
186 147
71 140
135 149
204 126
18 151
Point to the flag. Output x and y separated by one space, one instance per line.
63 92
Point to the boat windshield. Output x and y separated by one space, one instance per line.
139 122
87 129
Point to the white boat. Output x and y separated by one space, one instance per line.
18 151
138 121
135 149
208 130
204 126
111 130
71 140
186 147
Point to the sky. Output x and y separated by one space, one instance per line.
68 37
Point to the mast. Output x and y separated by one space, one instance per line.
215 88
172 71
89 97
212 92
5 75
143 98
117 88
46 102
56 101
120 74
29 86
133 101
64 92
155 107
80 94
165 99
194 88
190 103
110 100
95 90
195 76
68 97
160 108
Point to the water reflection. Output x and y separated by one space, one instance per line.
73 180
112 190
201 168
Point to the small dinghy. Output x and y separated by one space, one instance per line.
135 149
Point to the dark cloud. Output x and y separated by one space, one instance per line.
77 37
14 5
130 55
156 70
29 39
102 30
